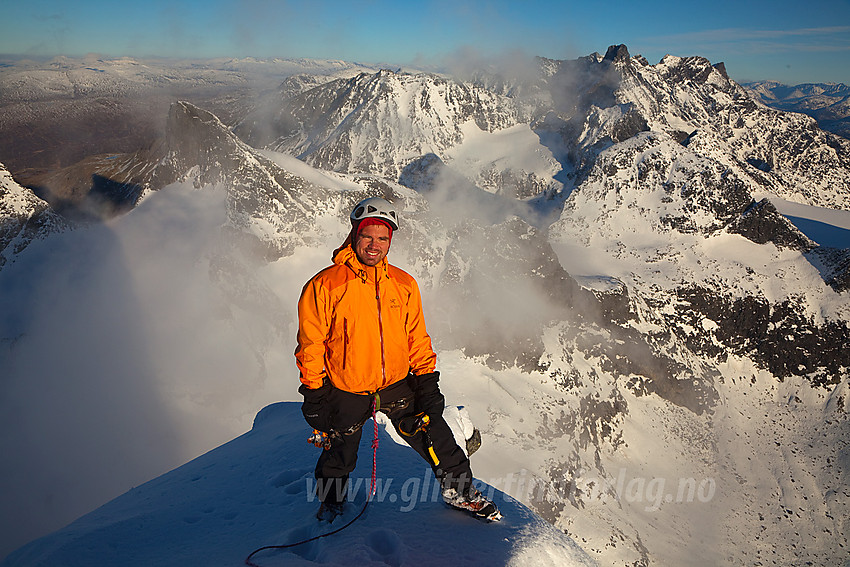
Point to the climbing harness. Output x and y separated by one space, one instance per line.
388 408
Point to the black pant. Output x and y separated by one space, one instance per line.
351 411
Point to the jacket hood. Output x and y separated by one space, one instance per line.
349 240
345 256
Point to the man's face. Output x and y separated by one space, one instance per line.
372 244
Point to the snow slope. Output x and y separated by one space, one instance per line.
827 227
256 491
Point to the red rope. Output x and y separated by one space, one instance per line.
374 449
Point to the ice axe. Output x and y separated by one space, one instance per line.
421 422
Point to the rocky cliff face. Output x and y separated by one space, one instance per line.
701 186
268 207
697 105
23 218
376 123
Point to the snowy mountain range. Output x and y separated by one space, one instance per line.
828 103
636 277
55 113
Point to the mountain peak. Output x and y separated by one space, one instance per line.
721 68
617 54
24 217
184 117
197 139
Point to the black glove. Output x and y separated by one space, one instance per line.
427 395
316 409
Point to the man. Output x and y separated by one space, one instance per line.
362 340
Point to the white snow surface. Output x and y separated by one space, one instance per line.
516 148
257 490
827 227
18 206
15 200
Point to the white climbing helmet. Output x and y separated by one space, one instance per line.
375 207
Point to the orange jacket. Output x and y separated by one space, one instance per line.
361 327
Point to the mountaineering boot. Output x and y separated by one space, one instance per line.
472 502
328 511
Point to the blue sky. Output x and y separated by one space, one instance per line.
783 40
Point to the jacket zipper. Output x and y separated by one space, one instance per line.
380 329
344 342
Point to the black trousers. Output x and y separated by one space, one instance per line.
351 411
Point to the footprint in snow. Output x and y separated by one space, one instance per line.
386 546
292 481
308 551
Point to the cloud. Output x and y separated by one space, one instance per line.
121 358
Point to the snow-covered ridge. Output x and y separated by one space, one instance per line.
379 123
698 105
256 491
23 218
